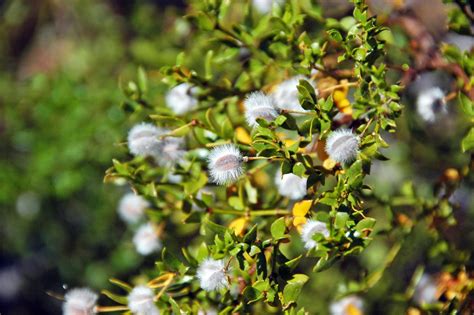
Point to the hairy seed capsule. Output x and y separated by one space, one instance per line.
291 185
259 105
141 301
285 94
146 240
181 99
212 275
310 228
342 146
430 104
143 140
80 301
225 164
132 207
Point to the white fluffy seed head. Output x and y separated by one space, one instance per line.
225 164
212 275
259 105
291 185
143 139
310 228
146 239
81 301
342 146
430 104
350 304
285 95
141 301
171 151
181 99
426 290
132 207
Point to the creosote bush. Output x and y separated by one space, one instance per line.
254 166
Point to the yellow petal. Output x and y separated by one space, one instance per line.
301 208
352 310
343 104
347 110
242 136
329 164
299 221
238 225
338 96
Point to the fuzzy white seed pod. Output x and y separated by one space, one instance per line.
171 151
181 99
146 240
426 290
225 164
430 104
132 207
212 274
141 301
143 140
310 228
291 185
259 105
285 95
350 304
342 146
80 301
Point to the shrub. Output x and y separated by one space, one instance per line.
257 97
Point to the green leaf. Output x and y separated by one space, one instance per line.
121 284
324 263
214 227
194 185
467 142
280 120
208 65
466 104
170 260
252 295
251 235
142 80
299 169
293 289
278 228
115 297
341 219
204 21
174 306
236 203
365 224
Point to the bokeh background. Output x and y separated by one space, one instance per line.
63 118
61 123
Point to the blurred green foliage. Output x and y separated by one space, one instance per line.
60 126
